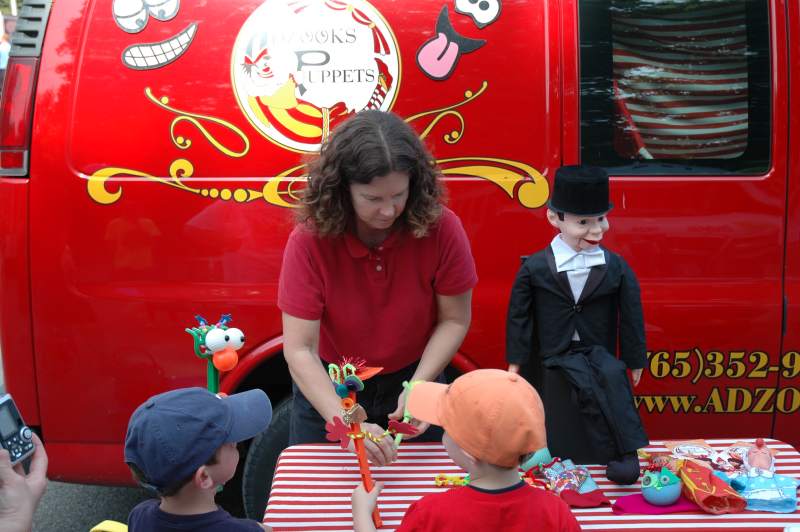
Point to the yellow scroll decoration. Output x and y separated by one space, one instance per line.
454 135
281 190
184 143
96 184
517 179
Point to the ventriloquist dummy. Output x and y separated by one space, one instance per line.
574 306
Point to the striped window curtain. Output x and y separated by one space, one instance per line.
680 79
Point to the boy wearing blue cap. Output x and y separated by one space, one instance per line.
182 444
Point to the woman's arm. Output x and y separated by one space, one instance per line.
300 347
454 317
452 324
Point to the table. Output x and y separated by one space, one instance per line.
312 486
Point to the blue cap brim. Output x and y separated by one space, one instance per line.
251 413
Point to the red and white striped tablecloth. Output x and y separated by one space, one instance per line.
312 486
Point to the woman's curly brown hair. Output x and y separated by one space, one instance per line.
369 145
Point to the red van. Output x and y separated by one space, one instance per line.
152 151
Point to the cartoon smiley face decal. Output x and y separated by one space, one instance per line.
132 16
483 12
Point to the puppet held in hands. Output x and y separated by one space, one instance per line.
572 304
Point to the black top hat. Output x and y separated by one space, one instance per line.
580 190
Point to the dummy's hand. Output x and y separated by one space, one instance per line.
636 375
21 493
513 368
398 415
382 453
266 527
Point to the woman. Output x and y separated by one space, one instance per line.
376 269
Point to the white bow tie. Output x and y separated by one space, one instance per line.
583 259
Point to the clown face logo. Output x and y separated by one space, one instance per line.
299 67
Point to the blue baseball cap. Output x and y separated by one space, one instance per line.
174 433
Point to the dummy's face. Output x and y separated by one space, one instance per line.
227 460
381 202
579 232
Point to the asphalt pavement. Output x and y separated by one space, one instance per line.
77 508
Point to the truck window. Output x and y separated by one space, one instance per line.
675 86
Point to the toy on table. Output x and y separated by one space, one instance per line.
728 461
572 483
699 468
217 345
660 486
348 378
761 487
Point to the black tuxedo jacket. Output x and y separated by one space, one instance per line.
542 313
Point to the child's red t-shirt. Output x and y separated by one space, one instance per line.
520 508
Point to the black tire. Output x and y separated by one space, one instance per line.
262 456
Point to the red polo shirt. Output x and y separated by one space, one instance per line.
377 304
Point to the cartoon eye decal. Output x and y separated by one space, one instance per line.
234 337
216 339
665 480
482 12
131 15
647 481
163 9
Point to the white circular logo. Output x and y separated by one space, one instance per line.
299 67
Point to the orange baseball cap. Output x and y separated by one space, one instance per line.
494 415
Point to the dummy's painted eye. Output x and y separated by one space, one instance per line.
215 339
582 222
234 337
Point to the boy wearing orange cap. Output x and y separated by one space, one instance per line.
493 420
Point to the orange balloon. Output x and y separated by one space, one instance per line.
226 359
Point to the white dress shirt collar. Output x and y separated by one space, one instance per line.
568 259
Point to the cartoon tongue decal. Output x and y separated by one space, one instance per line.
146 56
438 56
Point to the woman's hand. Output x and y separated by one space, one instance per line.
382 453
399 413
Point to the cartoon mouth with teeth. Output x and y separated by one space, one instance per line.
131 16
147 56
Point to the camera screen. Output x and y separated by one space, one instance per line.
8 427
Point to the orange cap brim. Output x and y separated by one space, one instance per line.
425 401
